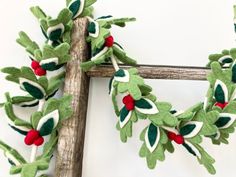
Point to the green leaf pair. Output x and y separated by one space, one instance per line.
38 88
56 30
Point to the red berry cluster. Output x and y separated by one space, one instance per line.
38 70
129 102
221 105
179 139
109 41
34 137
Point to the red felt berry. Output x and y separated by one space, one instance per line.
129 106
40 72
221 105
179 139
129 102
39 141
35 65
109 41
31 136
171 135
127 99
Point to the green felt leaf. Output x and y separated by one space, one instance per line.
58 55
234 72
125 128
49 64
233 53
125 116
108 21
98 59
191 129
206 160
50 146
152 137
47 123
208 119
63 105
38 12
158 152
35 118
164 116
221 92
14 157
31 169
15 73
224 59
98 42
222 121
27 43
33 88
122 75
219 76
120 54
24 101
132 86
14 121
54 28
55 32
76 7
146 106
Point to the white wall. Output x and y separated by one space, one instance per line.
169 32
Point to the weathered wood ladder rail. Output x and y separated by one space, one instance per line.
71 136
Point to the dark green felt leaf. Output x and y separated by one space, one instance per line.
219 94
222 121
123 114
92 28
55 34
189 149
49 66
47 127
120 73
234 73
32 90
152 134
74 7
142 103
187 129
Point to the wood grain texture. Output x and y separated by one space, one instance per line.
156 72
71 135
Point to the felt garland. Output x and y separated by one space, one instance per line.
40 89
213 118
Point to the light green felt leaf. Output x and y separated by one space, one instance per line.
132 87
164 116
27 43
63 105
38 12
122 56
126 130
157 154
50 146
98 59
14 157
31 169
206 159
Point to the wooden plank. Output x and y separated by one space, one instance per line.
71 135
156 72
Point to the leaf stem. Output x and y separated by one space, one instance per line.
114 63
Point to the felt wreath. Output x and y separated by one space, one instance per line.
213 118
